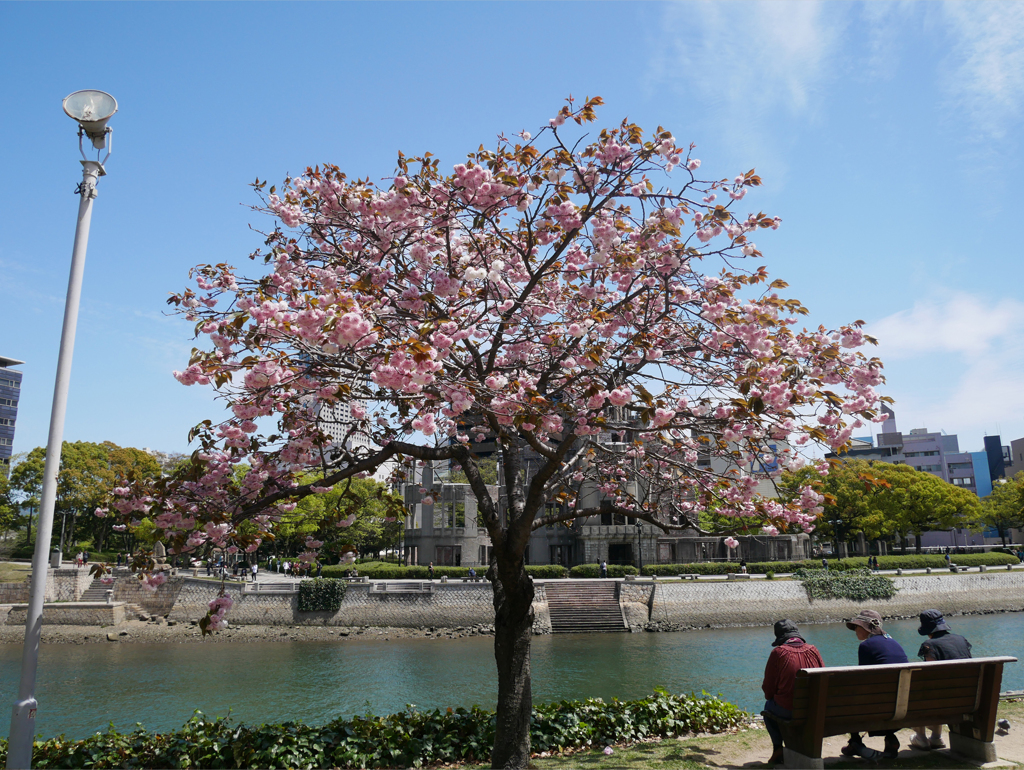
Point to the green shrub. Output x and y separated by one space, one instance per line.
321 595
410 739
546 571
859 585
721 568
991 559
910 561
594 570
769 575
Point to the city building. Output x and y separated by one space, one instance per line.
940 455
10 395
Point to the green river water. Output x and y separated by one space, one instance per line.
82 688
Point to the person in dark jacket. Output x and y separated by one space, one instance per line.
790 654
876 648
940 645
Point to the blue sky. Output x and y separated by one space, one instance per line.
887 135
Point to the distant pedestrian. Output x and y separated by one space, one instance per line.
824 563
319 568
743 567
949 560
430 570
604 568
941 645
85 557
119 559
209 567
254 569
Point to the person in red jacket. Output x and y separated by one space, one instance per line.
791 653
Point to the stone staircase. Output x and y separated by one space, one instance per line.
584 606
96 592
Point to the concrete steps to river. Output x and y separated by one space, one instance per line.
584 607
96 592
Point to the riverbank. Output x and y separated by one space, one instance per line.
401 609
173 632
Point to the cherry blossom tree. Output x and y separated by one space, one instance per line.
550 294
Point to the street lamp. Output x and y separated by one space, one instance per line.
640 545
91 110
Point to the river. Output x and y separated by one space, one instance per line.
82 688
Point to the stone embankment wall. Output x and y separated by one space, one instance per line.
699 604
450 605
66 584
71 614
14 593
128 588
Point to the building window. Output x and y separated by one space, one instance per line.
921 454
6 441
6 421
966 481
10 383
8 402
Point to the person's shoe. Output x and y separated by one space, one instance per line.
775 758
920 742
892 747
853 748
936 742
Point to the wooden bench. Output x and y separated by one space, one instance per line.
963 694
472 579
688 576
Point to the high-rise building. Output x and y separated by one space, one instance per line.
10 395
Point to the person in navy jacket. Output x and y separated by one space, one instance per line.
876 648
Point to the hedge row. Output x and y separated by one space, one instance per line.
384 571
409 739
594 570
910 561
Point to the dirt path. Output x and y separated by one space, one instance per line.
752 748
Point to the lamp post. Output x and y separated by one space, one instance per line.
640 545
92 110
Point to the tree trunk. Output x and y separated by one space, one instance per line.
917 543
513 629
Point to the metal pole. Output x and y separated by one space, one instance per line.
23 718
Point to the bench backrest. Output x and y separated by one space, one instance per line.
856 698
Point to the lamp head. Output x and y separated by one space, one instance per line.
92 110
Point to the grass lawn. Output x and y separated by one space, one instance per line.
14 573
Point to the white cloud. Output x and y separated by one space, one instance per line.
953 323
955 362
985 68
754 57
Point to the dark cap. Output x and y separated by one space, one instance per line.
932 621
869 620
784 631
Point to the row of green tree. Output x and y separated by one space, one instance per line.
884 501
88 471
